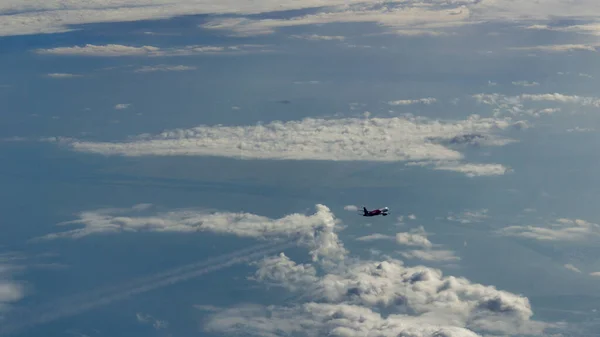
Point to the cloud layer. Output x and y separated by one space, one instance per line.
405 17
417 140
117 50
356 297
574 230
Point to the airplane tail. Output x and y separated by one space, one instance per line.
365 210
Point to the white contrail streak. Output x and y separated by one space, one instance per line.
81 303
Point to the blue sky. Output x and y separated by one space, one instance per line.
181 168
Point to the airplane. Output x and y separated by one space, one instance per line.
381 211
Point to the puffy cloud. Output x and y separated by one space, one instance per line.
348 301
561 230
416 237
117 50
439 255
415 139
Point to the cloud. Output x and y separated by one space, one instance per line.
315 231
595 274
122 106
468 216
558 48
374 237
406 139
427 101
11 290
574 230
403 19
427 251
515 105
315 37
148 319
375 298
585 28
164 68
580 129
525 83
572 268
117 50
431 255
62 75
352 208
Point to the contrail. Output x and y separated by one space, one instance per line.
81 303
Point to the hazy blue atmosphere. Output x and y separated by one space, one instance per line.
199 168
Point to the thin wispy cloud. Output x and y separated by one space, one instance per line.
567 230
62 75
122 106
316 37
427 101
164 68
416 140
117 50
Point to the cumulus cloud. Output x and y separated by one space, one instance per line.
117 50
426 250
417 140
574 230
348 300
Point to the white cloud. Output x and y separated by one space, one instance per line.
316 37
116 50
345 300
374 237
580 129
415 139
122 106
561 230
62 75
586 28
525 83
163 68
352 208
572 268
11 290
558 48
427 101
416 17
515 105
416 237
468 216
431 255
401 19
315 231
595 274
148 319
